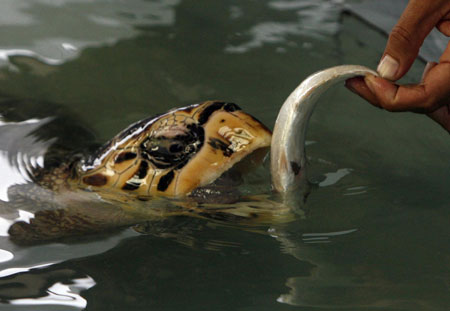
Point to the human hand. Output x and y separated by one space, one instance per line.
432 95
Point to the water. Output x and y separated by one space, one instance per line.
374 234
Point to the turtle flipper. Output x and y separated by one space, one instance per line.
54 224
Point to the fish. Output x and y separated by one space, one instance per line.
287 152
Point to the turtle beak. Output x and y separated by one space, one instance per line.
230 136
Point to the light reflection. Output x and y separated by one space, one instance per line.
334 177
5 255
356 190
69 47
107 22
24 216
263 33
61 294
314 19
329 234
10 176
20 152
11 271
4 226
6 54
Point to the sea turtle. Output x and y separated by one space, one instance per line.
174 155
157 167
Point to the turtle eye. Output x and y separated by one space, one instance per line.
176 147
166 151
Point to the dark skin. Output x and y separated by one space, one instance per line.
432 95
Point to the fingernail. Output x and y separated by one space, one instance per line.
388 67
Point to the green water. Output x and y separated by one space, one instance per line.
375 237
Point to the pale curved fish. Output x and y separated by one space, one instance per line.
287 152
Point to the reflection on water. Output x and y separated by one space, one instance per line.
44 291
12 271
12 56
55 31
60 294
318 19
374 234
5 255
20 152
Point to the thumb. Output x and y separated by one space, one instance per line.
407 36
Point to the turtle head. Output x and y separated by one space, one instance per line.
176 152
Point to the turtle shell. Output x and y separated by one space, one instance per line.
174 153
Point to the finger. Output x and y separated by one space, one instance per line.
424 97
445 57
427 69
405 39
358 86
442 114
444 25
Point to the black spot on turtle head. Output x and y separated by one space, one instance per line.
208 111
165 181
136 181
97 180
125 156
129 185
188 109
220 145
142 170
213 107
230 107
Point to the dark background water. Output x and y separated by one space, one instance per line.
375 235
